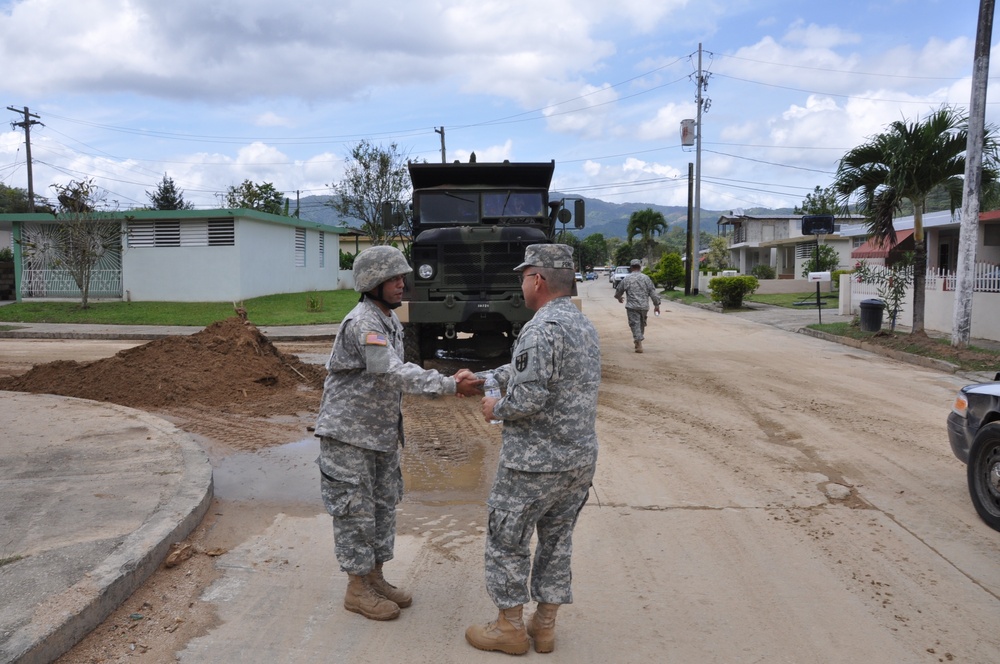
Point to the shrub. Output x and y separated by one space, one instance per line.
730 291
669 272
763 271
835 277
6 255
346 260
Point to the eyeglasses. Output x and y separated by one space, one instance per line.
533 274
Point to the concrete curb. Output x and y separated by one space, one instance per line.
926 362
83 606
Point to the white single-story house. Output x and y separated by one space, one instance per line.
941 230
777 240
184 256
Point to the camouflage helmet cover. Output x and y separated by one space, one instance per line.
376 265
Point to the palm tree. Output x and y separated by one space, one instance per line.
646 223
906 162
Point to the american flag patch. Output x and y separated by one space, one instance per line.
375 339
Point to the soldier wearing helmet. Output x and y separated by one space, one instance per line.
360 426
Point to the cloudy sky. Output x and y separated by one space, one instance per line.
215 92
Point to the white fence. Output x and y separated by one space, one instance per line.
939 301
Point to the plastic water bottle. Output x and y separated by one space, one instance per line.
492 389
656 313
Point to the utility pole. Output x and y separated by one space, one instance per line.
440 130
690 269
703 104
969 228
26 125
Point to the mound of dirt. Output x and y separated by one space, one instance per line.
229 366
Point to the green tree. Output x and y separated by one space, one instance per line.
645 224
820 201
905 163
252 196
822 258
626 252
167 196
717 257
375 175
13 199
594 250
669 272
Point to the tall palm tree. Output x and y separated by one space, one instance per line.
906 162
646 223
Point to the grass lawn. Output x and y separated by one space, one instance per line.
313 307
829 300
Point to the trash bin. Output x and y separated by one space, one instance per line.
871 315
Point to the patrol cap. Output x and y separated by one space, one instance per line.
558 256
635 261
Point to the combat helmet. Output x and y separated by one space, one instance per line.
375 265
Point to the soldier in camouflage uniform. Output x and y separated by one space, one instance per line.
547 459
636 289
360 426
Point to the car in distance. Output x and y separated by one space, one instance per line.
974 435
620 273
579 277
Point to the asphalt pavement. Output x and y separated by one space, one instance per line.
92 494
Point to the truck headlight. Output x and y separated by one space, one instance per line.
425 271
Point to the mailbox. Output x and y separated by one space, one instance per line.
819 277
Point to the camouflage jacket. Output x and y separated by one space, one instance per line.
638 289
366 379
549 409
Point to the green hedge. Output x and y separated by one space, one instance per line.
730 291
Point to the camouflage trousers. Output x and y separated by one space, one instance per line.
637 322
522 504
361 489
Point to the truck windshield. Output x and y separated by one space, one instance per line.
513 204
449 207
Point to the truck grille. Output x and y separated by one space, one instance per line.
477 267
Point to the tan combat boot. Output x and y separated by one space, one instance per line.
638 346
361 598
378 583
506 633
542 627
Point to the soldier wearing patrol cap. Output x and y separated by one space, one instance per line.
636 290
547 458
360 426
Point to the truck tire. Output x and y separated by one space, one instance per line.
984 474
411 344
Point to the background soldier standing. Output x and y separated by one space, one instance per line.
547 459
360 426
637 289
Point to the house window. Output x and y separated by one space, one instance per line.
172 233
858 240
322 249
991 235
300 247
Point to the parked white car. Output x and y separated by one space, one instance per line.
620 272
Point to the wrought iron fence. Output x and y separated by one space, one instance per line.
59 283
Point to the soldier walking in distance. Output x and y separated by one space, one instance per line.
360 426
547 458
636 290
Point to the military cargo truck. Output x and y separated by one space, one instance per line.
471 224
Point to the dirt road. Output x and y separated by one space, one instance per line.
761 496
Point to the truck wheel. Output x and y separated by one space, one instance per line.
984 474
411 344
